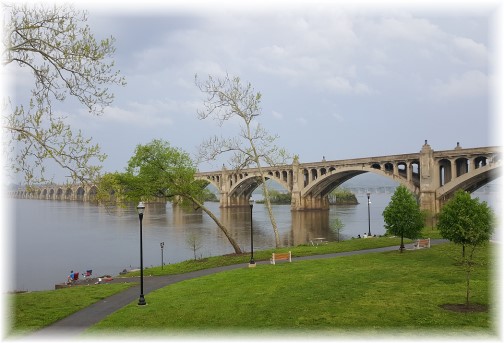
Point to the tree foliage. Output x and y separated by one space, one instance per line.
337 226
228 98
59 50
469 223
158 170
403 216
466 221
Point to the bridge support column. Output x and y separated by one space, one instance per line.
309 203
227 201
306 203
429 179
430 205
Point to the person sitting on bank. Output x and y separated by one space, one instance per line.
71 276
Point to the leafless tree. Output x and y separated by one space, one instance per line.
228 98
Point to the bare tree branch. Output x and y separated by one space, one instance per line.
56 45
229 98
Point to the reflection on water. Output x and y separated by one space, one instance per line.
53 237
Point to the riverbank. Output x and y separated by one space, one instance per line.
358 293
265 255
370 294
37 309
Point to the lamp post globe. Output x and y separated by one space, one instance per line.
140 209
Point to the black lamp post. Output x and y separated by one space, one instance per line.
140 209
162 247
369 214
252 262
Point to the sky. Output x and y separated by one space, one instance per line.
337 80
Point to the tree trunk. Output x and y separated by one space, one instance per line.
468 277
221 226
270 211
265 190
401 248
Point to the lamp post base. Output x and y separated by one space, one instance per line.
141 301
252 264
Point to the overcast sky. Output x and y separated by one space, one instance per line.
337 81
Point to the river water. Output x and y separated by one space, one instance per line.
52 237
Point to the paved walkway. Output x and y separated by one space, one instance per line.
81 320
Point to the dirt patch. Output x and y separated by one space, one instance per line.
463 308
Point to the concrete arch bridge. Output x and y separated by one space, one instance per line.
433 176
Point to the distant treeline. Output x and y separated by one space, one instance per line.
342 196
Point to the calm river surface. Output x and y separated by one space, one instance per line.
52 237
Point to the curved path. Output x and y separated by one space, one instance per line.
79 321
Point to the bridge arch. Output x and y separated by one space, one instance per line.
470 181
246 185
80 194
212 179
59 193
69 193
325 184
92 193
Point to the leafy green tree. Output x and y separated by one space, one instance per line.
159 170
468 222
465 221
56 46
226 99
403 216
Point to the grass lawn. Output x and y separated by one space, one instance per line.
33 310
264 255
371 293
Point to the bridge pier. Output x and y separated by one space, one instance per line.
227 201
318 203
429 175
430 205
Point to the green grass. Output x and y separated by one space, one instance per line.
33 310
298 251
371 293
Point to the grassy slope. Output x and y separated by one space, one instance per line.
302 250
373 292
34 310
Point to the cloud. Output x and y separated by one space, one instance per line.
138 115
277 115
471 51
301 121
344 86
339 118
469 84
157 115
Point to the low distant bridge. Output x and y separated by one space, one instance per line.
57 192
433 176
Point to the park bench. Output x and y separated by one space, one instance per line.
422 243
285 256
